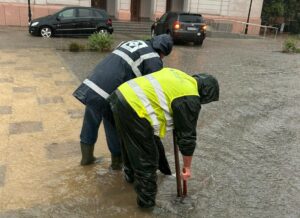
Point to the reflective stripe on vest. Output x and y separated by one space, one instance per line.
134 64
162 100
96 88
147 104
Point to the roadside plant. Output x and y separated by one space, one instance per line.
75 47
290 45
145 37
100 42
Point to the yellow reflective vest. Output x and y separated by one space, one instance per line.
151 96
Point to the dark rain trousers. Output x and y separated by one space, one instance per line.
140 152
96 110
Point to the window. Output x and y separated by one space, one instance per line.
163 18
84 13
70 13
188 18
98 14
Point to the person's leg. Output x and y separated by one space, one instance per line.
89 134
112 140
163 165
140 153
143 156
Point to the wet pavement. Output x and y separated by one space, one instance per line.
247 159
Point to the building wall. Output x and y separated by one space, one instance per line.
145 8
15 12
111 7
177 5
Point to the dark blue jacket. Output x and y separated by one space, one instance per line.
129 60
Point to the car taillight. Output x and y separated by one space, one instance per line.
109 22
176 25
204 27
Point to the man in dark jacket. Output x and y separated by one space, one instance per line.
129 60
150 105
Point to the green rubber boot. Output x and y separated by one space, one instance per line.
116 162
87 152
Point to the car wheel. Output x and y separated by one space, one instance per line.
200 42
46 32
153 33
102 30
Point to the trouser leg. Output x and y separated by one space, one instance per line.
140 153
89 135
112 139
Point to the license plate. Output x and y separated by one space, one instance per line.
191 28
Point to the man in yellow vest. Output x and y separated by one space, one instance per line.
148 106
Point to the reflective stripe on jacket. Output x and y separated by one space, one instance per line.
151 96
131 59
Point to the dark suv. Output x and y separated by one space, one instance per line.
72 21
181 26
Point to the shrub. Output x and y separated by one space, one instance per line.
289 45
74 47
100 42
144 37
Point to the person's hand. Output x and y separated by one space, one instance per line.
186 173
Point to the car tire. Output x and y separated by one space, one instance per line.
102 30
199 42
46 32
153 33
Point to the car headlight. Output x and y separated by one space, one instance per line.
34 23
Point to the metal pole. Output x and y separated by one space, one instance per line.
246 29
29 12
177 167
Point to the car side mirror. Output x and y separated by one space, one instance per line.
57 18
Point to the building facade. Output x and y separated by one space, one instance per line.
15 12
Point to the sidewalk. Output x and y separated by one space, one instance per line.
39 128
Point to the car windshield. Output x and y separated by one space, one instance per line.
188 18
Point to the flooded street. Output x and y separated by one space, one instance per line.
247 159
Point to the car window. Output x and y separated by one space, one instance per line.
188 18
163 18
82 12
98 14
70 13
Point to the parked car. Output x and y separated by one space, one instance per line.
72 21
182 26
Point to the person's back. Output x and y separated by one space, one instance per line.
129 60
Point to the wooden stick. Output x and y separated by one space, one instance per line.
184 193
177 167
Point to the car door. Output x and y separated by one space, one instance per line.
84 21
66 22
160 24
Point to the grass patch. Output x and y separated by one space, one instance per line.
291 45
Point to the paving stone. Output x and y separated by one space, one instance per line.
7 80
2 175
75 114
5 110
25 127
24 89
50 100
62 150
8 62
65 83
23 68
42 75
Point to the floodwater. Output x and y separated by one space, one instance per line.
246 163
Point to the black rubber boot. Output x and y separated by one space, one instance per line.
116 162
87 152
